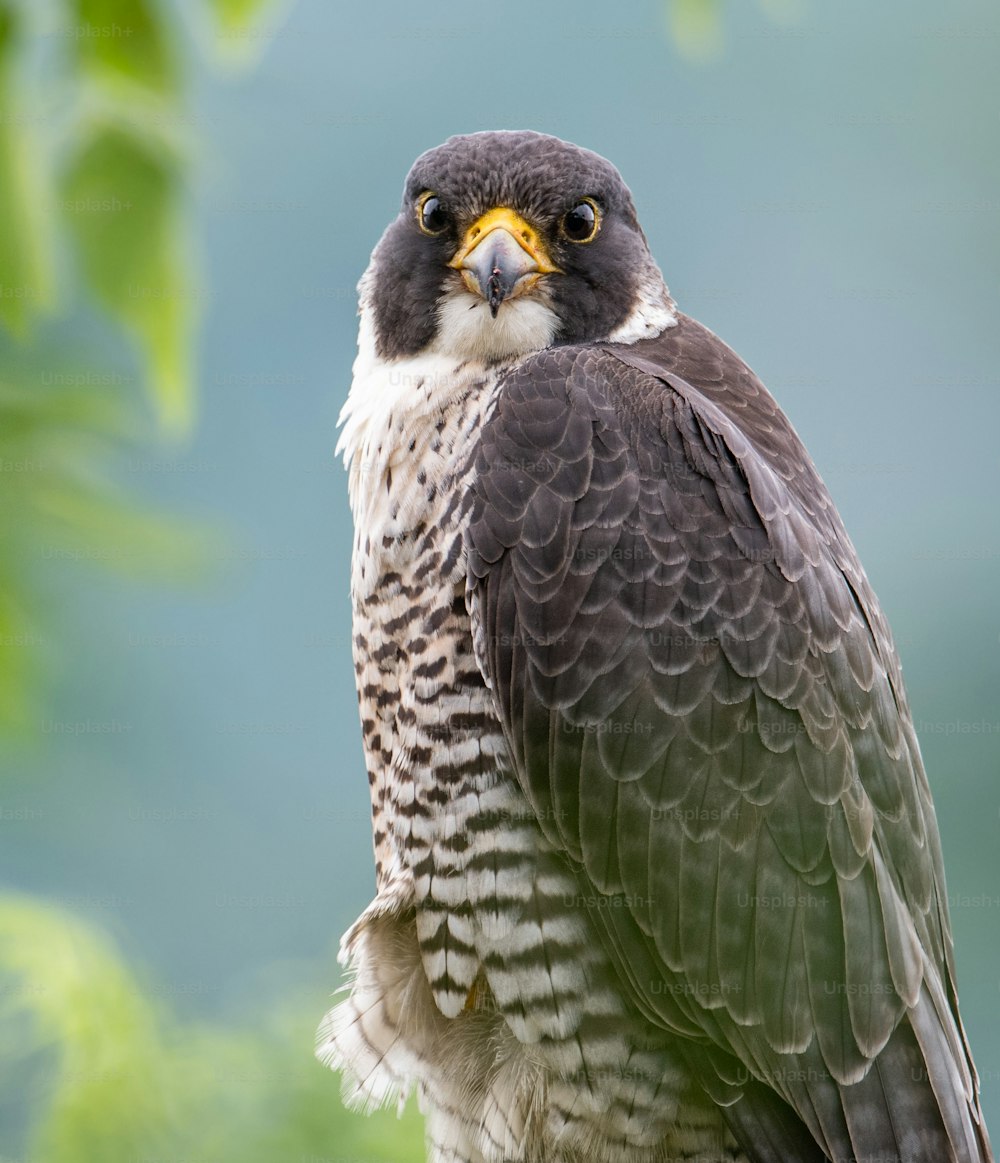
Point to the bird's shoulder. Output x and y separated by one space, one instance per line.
680 411
685 382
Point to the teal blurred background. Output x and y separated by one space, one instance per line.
183 807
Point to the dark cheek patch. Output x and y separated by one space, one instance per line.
409 271
600 287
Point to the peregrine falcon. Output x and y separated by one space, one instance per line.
658 871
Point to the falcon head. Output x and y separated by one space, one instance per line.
508 242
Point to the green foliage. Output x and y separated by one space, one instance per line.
25 251
125 42
124 1080
119 198
57 505
237 15
242 27
83 131
85 1007
695 27
88 183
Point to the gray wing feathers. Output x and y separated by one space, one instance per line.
705 709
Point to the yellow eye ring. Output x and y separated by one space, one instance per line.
582 223
432 218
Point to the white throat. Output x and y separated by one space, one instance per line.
467 329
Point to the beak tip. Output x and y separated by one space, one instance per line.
496 291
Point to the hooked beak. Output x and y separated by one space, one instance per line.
501 257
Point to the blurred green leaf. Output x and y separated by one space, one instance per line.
119 199
124 41
243 28
124 1080
20 665
56 505
100 527
26 285
84 1003
696 27
235 15
8 28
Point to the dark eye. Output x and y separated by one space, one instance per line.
431 215
580 224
